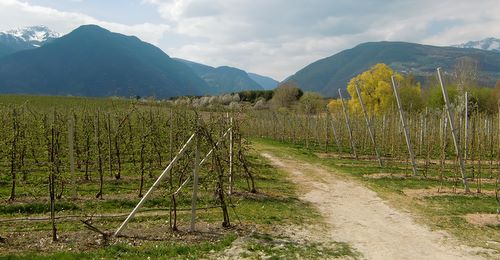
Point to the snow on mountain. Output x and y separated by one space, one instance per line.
490 44
27 37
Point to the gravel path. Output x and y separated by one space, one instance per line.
356 215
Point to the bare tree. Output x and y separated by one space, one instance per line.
466 73
286 95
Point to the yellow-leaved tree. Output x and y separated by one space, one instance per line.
376 89
335 106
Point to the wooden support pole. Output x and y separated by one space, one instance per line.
335 136
52 180
110 164
231 146
327 131
71 137
466 125
368 125
453 131
405 127
421 135
348 124
202 161
195 178
155 184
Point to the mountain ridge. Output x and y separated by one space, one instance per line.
267 83
223 79
25 38
331 73
92 61
489 44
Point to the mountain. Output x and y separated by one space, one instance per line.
265 82
25 38
327 75
5 50
223 79
489 44
92 61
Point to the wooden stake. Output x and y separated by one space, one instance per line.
195 178
52 182
466 126
453 131
348 123
335 136
405 127
155 184
231 145
368 124
110 165
71 134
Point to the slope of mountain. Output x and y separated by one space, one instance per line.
5 50
223 79
266 82
92 61
25 38
489 44
327 75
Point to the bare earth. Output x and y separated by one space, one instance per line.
356 215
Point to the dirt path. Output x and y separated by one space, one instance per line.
356 215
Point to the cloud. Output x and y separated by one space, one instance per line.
16 14
278 37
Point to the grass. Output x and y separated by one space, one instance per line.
35 208
440 212
165 250
276 203
285 248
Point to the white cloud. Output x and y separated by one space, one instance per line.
278 37
16 14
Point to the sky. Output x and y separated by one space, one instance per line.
270 37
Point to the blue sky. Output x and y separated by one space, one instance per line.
269 37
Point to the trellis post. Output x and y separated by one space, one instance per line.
368 124
231 146
453 131
155 184
195 177
405 126
71 137
348 123
466 126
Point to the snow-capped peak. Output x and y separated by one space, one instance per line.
490 44
38 33
33 36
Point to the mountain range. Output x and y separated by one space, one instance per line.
225 79
25 38
92 61
266 82
329 74
489 44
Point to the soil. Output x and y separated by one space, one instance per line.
86 240
446 192
420 177
291 234
358 216
483 219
